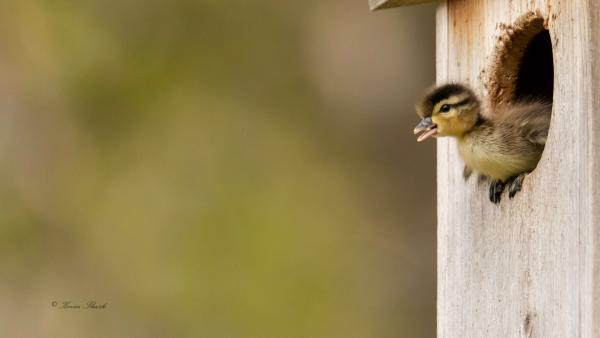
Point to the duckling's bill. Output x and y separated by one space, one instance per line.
427 129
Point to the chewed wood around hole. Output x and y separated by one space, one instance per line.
522 66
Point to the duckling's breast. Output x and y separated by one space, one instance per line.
495 157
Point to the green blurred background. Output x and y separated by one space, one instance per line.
215 169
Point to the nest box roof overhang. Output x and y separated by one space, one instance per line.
381 4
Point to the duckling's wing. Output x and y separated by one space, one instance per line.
531 120
538 136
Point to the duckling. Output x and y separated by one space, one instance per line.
503 145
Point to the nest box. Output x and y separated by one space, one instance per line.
530 266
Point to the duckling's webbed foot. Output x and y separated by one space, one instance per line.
467 172
514 185
496 189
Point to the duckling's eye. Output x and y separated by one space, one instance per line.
445 108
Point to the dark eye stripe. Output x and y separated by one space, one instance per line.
457 104
460 103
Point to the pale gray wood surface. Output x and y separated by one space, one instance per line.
594 157
381 4
528 267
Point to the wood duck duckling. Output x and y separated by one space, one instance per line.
503 146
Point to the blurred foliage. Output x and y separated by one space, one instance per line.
209 169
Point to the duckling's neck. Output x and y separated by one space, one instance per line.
480 120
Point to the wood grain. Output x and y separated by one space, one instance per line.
529 267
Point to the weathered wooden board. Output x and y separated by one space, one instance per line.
529 267
381 4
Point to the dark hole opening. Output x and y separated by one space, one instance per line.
535 79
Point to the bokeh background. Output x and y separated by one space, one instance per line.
215 169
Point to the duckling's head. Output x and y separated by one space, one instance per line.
448 110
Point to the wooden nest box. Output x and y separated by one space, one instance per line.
530 266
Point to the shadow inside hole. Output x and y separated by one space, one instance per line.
535 77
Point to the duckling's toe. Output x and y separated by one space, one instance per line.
496 189
515 185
